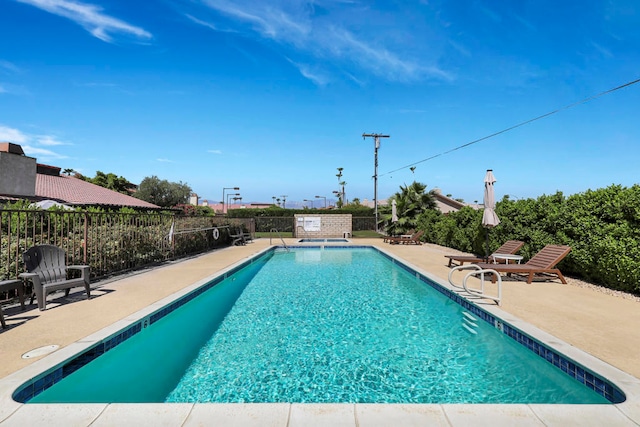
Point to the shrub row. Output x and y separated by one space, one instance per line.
601 226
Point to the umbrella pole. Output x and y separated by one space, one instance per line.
486 252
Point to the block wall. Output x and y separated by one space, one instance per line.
331 226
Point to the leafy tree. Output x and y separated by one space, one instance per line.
162 192
191 210
411 201
106 180
112 182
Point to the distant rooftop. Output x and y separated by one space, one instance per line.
74 191
22 178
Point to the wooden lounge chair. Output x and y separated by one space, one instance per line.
47 271
413 239
509 247
541 264
386 239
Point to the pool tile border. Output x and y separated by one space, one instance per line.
595 382
57 373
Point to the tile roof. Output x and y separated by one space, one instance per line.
74 191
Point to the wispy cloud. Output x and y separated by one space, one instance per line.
165 161
603 51
525 22
274 19
327 36
208 24
42 154
490 13
12 135
91 18
460 48
379 60
8 88
9 67
311 73
214 151
49 141
31 143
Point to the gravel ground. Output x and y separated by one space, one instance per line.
570 280
582 284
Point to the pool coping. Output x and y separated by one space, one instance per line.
11 412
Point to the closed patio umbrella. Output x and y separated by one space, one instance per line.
489 217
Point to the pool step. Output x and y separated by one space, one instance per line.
470 323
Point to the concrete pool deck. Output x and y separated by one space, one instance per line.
603 325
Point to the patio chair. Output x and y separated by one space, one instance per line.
509 247
238 238
541 264
413 239
47 271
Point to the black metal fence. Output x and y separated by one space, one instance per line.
364 223
114 242
282 224
109 243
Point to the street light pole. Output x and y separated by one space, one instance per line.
284 201
338 196
229 195
325 200
223 191
376 139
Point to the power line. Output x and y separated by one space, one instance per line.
584 101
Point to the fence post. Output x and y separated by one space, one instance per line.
85 237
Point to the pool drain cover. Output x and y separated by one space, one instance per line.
40 351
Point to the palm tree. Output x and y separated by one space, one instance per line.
411 201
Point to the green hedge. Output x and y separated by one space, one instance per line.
361 211
601 226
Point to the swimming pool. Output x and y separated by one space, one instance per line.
225 289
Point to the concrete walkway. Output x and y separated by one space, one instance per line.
603 325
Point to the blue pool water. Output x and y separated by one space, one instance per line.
320 325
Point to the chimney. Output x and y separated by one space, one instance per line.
17 171
8 147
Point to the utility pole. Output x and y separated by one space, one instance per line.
376 139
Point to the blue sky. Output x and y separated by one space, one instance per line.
273 96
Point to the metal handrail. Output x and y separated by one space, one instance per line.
281 239
304 232
477 291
